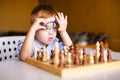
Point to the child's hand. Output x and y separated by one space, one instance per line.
62 22
38 24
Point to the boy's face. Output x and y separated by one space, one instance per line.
46 36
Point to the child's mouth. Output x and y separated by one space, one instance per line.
50 39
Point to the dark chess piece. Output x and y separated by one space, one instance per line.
71 50
84 59
38 55
76 48
61 64
52 54
76 60
101 58
84 53
109 58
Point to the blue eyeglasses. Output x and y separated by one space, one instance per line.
50 25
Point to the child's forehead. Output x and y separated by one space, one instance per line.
50 19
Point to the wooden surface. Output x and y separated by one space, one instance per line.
72 70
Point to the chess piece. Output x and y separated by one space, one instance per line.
69 60
97 49
105 56
38 55
97 54
96 59
65 52
56 48
52 54
56 54
71 50
84 53
44 53
61 61
101 58
77 61
76 48
35 52
84 57
81 55
109 58
91 58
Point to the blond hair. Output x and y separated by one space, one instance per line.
43 11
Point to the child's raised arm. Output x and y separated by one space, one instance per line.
62 22
27 47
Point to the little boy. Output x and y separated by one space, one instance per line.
45 22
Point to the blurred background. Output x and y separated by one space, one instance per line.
97 16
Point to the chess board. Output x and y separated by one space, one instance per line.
72 70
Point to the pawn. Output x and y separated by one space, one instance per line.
105 56
109 55
69 60
101 58
96 59
44 59
91 58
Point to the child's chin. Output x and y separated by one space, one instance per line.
49 42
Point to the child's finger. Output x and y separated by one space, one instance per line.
57 19
66 18
62 16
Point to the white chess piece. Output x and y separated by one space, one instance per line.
81 55
91 58
69 60
44 54
98 49
56 52
35 52
65 52
105 56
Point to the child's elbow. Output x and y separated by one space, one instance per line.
22 57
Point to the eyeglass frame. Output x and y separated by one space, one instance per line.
47 27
